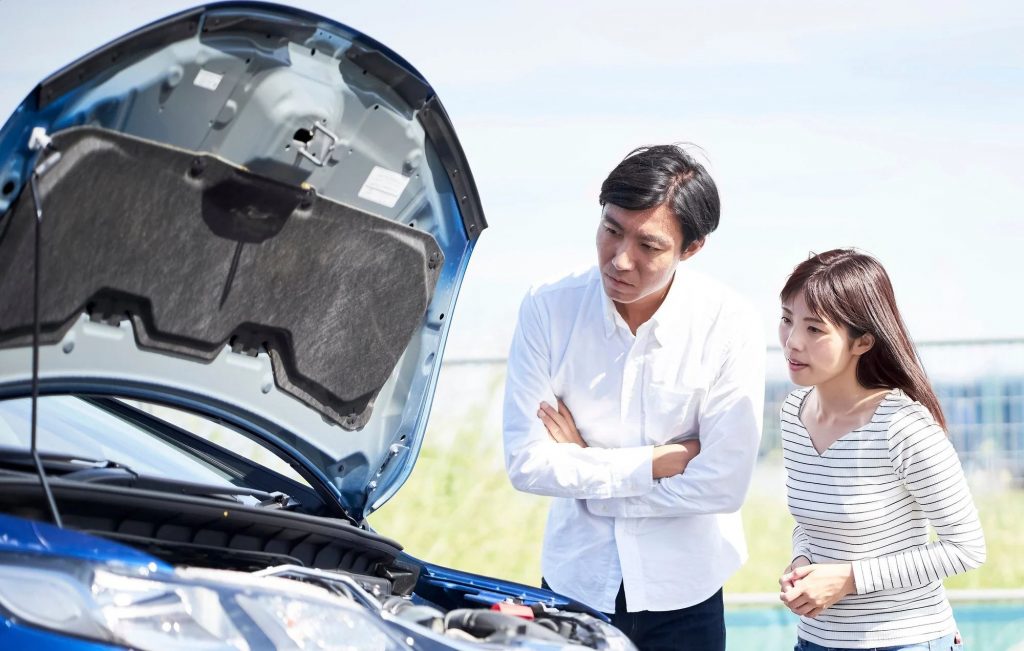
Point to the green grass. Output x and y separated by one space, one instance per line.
1002 519
459 510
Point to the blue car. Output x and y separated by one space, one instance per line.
230 246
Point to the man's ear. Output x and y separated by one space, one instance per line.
862 344
691 249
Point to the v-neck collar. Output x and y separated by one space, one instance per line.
807 432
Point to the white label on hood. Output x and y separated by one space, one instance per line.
383 186
208 80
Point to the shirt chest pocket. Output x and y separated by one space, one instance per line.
672 413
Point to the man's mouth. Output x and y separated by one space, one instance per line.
616 282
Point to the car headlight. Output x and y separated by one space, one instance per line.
187 610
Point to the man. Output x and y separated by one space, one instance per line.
634 397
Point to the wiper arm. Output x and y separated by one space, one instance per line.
275 500
52 461
114 473
105 471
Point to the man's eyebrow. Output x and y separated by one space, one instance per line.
612 222
654 239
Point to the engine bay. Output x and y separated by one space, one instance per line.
359 566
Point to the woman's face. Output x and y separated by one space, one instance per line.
816 350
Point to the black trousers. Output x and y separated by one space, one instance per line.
700 627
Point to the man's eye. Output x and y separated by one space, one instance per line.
650 247
609 229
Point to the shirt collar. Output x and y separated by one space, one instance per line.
663 320
612 319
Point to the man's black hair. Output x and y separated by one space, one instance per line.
665 174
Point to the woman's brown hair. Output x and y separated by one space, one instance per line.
851 289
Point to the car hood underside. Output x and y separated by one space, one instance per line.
199 254
249 212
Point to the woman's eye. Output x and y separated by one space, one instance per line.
813 329
786 320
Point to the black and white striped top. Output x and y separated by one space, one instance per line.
867 500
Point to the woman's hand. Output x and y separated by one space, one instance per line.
816 587
559 423
786 580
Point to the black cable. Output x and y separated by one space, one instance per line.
37 261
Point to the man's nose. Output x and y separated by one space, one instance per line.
622 260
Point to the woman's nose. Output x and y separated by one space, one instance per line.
793 341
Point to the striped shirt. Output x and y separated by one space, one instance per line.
867 500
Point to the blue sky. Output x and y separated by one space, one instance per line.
893 127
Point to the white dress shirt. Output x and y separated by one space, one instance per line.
694 370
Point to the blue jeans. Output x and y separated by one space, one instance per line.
941 644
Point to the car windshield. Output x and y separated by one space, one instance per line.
76 427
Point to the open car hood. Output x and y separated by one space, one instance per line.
250 212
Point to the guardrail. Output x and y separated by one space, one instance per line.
954 596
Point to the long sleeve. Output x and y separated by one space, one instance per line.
924 459
801 544
536 463
716 480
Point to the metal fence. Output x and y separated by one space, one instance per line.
985 420
980 384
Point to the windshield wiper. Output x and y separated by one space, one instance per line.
104 471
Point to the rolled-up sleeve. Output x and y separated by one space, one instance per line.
716 480
535 462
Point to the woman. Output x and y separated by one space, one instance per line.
869 465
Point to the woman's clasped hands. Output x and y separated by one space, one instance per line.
808 588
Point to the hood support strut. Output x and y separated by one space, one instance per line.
42 143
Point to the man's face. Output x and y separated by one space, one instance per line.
637 252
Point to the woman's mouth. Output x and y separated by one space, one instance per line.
795 365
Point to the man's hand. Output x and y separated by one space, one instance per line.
816 587
559 423
672 459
